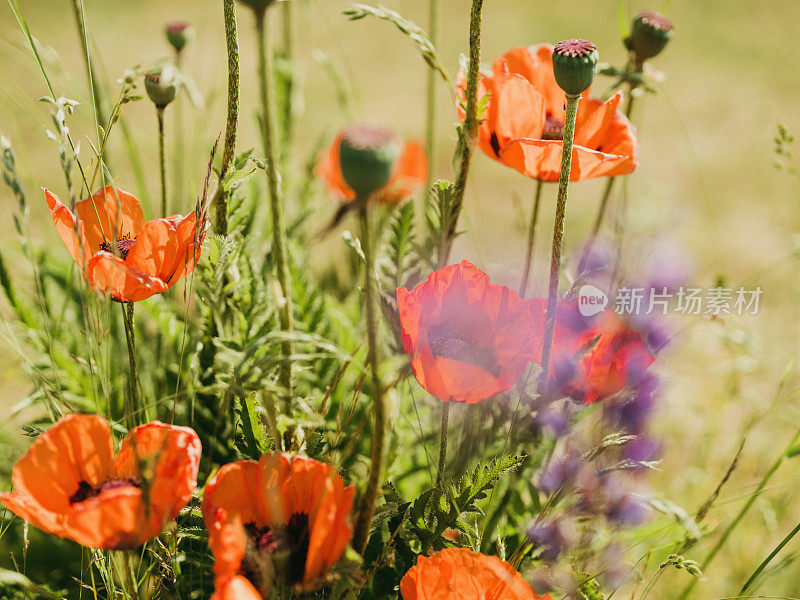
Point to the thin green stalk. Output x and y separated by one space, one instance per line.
610 183
268 402
443 445
470 127
178 152
558 236
266 79
434 17
769 558
367 508
288 54
135 409
162 154
523 288
94 89
232 43
738 519
128 573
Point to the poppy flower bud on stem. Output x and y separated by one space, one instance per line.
367 156
650 34
179 34
161 85
574 66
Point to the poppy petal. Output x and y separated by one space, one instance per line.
78 246
116 519
109 214
235 588
171 454
109 274
78 448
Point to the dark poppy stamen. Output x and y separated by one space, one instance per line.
122 245
86 490
446 342
553 129
276 552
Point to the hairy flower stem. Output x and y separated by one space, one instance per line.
162 154
266 78
232 42
178 157
443 446
558 237
129 575
134 412
367 505
434 17
523 288
738 519
470 128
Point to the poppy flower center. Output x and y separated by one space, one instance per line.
86 490
445 341
553 129
276 552
122 245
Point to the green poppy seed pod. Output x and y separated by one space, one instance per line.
575 65
650 33
161 85
179 34
367 156
258 5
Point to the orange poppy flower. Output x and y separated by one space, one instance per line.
468 340
69 484
409 177
523 124
283 518
120 253
461 574
596 358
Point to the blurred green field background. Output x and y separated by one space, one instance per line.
706 181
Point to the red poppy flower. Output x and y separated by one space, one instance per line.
282 518
467 339
523 124
597 357
409 177
120 253
69 484
461 574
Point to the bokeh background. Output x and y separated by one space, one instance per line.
707 184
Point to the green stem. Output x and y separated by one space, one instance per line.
268 402
178 156
470 128
748 505
434 16
162 154
523 288
94 88
266 79
232 42
288 54
769 558
558 236
367 508
128 574
135 409
443 445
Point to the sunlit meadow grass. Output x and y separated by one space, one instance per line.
706 181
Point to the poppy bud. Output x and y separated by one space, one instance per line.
161 85
367 156
650 34
179 34
575 65
258 5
